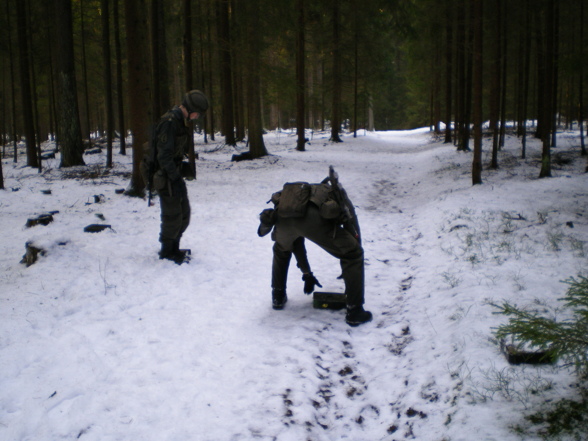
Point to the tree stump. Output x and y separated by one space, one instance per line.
32 254
43 219
96 228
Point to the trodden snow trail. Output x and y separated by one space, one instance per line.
342 398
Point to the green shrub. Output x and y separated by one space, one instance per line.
566 340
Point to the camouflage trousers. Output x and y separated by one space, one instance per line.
175 216
328 235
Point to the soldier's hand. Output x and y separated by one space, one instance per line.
310 282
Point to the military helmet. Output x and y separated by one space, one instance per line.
195 101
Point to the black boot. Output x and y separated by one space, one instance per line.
181 255
168 251
356 315
279 298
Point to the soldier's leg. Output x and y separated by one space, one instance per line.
284 237
171 224
185 221
280 265
185 205
342 245
171 217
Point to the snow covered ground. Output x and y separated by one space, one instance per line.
100 340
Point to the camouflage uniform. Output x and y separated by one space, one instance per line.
172 144
327 234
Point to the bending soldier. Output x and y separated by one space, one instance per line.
313 212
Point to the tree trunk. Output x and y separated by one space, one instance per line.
581 91
252 58
86 128
448 70
210 118
300 77
548 69
25 84
555 76
34 95
337 79
107 73
495 83
224 43
526 79
67 116
119 80
355 75
460 82
504 77
477 98
189 75
12 87
467 88
139 88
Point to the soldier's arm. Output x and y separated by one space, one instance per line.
299 251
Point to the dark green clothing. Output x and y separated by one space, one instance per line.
175 215
328 235
172 144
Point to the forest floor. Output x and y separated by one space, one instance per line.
100 340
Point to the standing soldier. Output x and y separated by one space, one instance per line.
171 143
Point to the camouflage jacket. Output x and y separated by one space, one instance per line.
172 142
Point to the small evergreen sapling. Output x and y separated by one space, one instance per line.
566 340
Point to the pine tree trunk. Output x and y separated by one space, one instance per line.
86 127
210 118
300 77
526 79
494 102
12 87
68 118
224 44
107 73
139 86
581 91
448 70
119 80
252 66
337 80
477 85
25 84
548 82
188 71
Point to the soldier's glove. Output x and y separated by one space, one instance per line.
309 283
178 188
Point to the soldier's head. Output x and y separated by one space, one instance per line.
195 102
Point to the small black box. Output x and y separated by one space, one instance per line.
329 300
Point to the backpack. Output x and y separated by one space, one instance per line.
295 196
292 200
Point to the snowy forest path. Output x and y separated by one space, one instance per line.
348 392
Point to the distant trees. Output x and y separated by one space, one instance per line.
533 57
320 65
